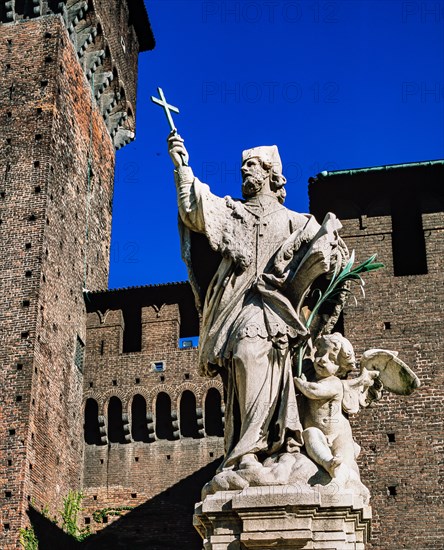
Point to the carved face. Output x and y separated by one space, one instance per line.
325 360
253 177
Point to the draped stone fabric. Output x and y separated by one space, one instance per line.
251 318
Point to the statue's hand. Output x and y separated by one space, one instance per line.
300 381
176 148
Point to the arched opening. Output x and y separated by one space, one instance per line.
213 413
164 426
23 7
115 421
188 416
54 6
91 426
139 428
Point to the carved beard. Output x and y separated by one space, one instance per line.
251 186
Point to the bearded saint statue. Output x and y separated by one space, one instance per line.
252 264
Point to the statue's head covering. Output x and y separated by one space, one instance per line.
267 153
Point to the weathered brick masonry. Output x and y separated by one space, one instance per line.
397 212
61 119
157 456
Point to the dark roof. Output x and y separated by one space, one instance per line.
124 288
140 20
378 169
375 190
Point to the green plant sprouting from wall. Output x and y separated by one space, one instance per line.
28 539
336 287
72 506
100 515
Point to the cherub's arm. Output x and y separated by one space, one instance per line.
365 378
314 390
359 392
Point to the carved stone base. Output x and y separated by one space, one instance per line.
284 517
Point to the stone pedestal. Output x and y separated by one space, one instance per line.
284 517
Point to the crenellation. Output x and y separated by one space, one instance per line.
160 327
105 333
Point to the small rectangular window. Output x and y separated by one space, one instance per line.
158 366
79 356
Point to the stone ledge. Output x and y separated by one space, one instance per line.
283 517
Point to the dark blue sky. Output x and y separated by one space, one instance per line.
334 84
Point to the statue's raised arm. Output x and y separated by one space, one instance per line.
176 148
251 263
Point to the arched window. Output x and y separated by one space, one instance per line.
139 428
22 7
116 433
188 416
213 413
91 426
164 426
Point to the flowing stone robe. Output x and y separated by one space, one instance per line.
249 321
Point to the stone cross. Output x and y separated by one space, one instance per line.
166 106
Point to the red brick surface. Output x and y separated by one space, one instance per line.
46 113
137 473
406 314
413 305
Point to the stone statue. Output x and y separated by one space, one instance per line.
327 433
243 274
253 265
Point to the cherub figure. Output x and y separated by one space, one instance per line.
327 433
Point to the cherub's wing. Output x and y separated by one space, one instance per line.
394 374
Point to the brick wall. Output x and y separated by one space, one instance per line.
47 204
403 314
401 437
160 475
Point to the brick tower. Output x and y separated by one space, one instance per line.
67 101
398 212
